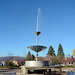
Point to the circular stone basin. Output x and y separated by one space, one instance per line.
36 63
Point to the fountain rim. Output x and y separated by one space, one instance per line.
36 48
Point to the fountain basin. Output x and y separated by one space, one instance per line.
37 48
36 63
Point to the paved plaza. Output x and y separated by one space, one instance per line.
19 72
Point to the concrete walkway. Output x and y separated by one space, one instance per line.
19 72
68 69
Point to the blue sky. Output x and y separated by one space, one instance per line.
18 20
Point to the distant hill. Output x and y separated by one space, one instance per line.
11 58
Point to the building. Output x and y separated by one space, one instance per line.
69 61
18 62
3 63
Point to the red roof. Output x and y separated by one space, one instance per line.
47 58
69 60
